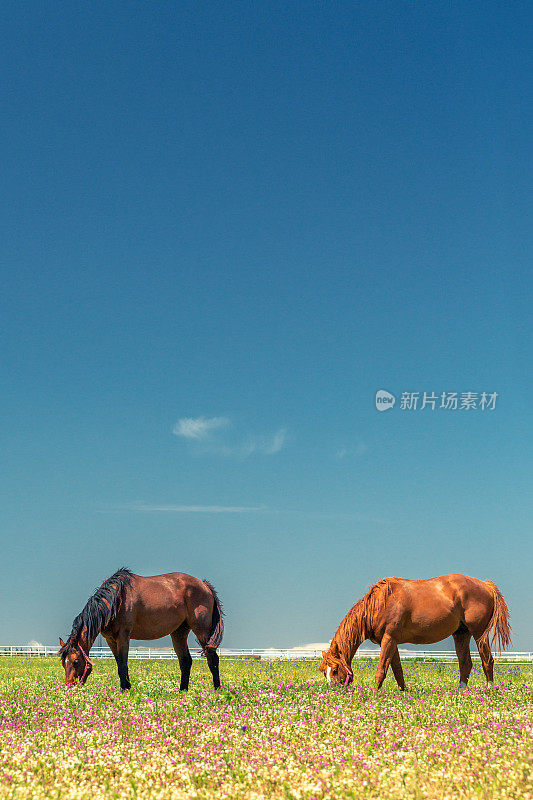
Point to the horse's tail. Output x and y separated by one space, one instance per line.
499 622
217 620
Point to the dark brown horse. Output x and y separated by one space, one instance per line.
398 611
128 606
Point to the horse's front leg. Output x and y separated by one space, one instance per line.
123 647
396 665
388 646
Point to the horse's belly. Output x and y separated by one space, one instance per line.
431 636
153 628
430 625
157 614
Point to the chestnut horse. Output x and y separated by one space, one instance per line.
131 606
398 611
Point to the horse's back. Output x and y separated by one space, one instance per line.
161 603
453 590
450 585
466 589
433 608
169 588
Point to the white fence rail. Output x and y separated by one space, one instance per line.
253 654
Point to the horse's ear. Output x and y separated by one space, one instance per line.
61 642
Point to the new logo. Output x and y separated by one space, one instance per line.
384 400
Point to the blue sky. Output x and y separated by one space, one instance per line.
225 227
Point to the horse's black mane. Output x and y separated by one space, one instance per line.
100 609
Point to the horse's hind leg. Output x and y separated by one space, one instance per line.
212 662
487 660
396 665
181 648
201 627
462 648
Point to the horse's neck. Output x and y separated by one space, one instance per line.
352 636
86 642
347 649
352 648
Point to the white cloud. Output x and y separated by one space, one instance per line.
277 442
265 445
172 509
359 450
295 652
198 428
204 435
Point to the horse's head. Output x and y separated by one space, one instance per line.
78 666
335 668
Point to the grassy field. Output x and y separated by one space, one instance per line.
274 730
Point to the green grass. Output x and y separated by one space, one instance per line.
273 730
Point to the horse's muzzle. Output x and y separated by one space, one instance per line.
349 677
